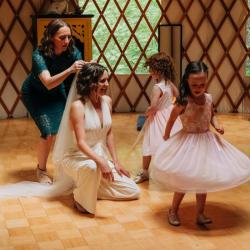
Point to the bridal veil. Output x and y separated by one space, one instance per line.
62 184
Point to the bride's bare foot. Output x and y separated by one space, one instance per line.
42 176
79 207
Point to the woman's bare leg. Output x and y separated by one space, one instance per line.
42 156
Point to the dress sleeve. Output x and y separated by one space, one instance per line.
38 62
162 85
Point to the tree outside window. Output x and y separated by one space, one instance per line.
122 32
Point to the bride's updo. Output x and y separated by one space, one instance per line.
88 78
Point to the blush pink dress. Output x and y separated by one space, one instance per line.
198 160
154 127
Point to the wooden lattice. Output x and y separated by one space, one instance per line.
214 31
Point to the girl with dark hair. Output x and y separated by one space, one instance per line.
44 91
85 141
162 70
196 159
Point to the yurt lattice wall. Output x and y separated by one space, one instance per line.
213 31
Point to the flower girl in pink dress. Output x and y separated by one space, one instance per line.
162 71
196 159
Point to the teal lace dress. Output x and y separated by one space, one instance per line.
46 106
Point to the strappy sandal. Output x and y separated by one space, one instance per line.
173 218
42 176
141 177
203 220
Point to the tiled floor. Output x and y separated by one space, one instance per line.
38 223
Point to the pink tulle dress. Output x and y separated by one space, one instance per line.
198 160
154 127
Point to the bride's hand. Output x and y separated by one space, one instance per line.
120 170
106 170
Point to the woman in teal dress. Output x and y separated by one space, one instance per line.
44 91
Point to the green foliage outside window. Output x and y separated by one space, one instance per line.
122 32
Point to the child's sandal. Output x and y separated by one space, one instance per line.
203 220
173 218
141 177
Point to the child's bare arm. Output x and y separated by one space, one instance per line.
156 94
218 127
176 111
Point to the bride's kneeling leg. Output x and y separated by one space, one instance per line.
123 188
87 181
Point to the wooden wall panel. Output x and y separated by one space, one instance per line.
213 31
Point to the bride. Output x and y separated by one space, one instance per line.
84 152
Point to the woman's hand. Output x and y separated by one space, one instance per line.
120 170
76 66
106 170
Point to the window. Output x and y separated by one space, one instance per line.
146 12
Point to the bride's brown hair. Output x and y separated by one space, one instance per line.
88 78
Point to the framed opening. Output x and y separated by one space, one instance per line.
247 66
170 42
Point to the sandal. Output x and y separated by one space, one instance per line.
42 176
202 220
173 218
141 177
